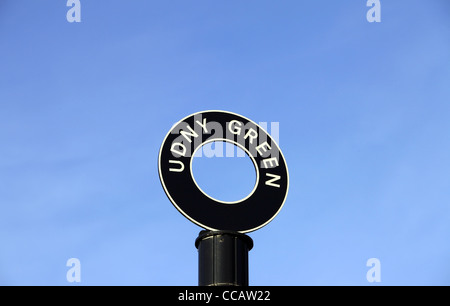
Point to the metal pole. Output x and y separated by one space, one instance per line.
223 258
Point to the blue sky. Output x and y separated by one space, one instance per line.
364 124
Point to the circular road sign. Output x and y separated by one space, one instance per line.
175 171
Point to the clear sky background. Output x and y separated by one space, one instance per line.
364 124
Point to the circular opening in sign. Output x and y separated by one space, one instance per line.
224 172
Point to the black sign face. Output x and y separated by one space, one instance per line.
175 172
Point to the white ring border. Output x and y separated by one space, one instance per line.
248 154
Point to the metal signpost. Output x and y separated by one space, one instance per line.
223 246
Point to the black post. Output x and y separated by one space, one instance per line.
223 258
